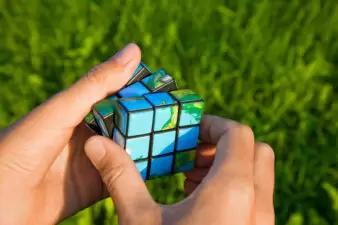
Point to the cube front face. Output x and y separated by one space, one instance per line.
134 116
155 123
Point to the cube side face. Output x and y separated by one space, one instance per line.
191 113
141 71
187 138
119 138
184 161
121 118
134 90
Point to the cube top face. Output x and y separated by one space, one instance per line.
105 108
186 95
135 104
134 90
160 99
157 79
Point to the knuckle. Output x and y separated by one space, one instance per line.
244 131
266 151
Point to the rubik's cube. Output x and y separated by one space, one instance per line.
154 121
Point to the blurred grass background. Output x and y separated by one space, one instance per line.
272 64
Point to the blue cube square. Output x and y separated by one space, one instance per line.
163 142
161 166
134 116
142 167
166 110
136 147
134 90
187 138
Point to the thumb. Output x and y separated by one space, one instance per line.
122 179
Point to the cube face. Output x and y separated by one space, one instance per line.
163 143
136 147
160 81
166 110
156 124
134 90
184 161
187 138
161 166
104 116
134 116
142 167
191 107
191 113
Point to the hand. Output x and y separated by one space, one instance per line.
45 175
232 183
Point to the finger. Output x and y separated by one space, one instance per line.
46 130
234 144
189 186
119 173
205 155
264 184
196 174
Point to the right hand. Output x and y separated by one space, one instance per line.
232 187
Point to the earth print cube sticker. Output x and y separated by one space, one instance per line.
155 122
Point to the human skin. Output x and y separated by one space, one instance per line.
52 166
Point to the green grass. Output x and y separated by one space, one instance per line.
271 64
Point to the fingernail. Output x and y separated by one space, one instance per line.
95 150
125 55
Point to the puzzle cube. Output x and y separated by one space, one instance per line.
155 123
104 116
160 81
148 128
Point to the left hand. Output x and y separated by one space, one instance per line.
45 175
